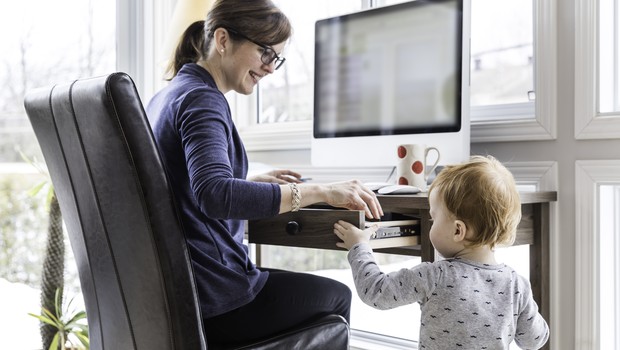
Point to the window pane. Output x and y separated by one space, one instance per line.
402 322
609 204
287 95
59 42
609 56
44 43
502 65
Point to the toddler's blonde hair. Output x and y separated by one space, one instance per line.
483 194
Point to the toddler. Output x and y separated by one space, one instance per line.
468 300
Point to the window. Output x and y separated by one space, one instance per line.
597 69
402 322
278 115
287 95
509 85
609 56
502 64
521 104
598 247
45 43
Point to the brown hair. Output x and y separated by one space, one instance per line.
483 194
260 20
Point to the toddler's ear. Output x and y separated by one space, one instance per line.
460 231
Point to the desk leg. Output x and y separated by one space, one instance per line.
259 256
428 251
540 261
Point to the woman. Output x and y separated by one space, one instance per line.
238 44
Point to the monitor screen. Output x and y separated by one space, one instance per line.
393 70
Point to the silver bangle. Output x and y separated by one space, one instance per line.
295 197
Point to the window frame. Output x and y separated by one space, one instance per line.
589 122
266 137
130 31
527 121
514 122
589 175
140 42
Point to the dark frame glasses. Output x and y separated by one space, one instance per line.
269 54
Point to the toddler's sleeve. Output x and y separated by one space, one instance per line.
532 329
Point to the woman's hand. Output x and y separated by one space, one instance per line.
351 235
281 176
355 196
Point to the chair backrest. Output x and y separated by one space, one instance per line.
134 266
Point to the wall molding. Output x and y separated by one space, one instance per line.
543 174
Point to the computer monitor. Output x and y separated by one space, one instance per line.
392 75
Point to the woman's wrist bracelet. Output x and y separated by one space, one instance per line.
295 197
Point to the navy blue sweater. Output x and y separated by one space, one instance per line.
207 166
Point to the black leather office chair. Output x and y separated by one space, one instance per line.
123 225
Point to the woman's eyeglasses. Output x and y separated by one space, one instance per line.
268 56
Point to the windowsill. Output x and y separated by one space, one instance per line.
361 340
298 135
277 137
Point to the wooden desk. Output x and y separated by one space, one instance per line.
313 228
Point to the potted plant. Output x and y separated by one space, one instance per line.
52 276
55 326
71 330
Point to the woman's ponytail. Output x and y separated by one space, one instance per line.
190 49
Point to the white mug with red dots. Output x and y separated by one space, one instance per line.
412 168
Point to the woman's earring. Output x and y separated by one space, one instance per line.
222 50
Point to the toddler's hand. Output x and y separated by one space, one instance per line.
351 235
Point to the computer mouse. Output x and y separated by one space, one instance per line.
399 189
374 186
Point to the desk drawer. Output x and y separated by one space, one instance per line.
314 228
308 228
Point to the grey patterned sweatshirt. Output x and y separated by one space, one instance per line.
465 304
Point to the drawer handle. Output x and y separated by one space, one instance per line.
293 228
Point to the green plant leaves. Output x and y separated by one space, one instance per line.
66 322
